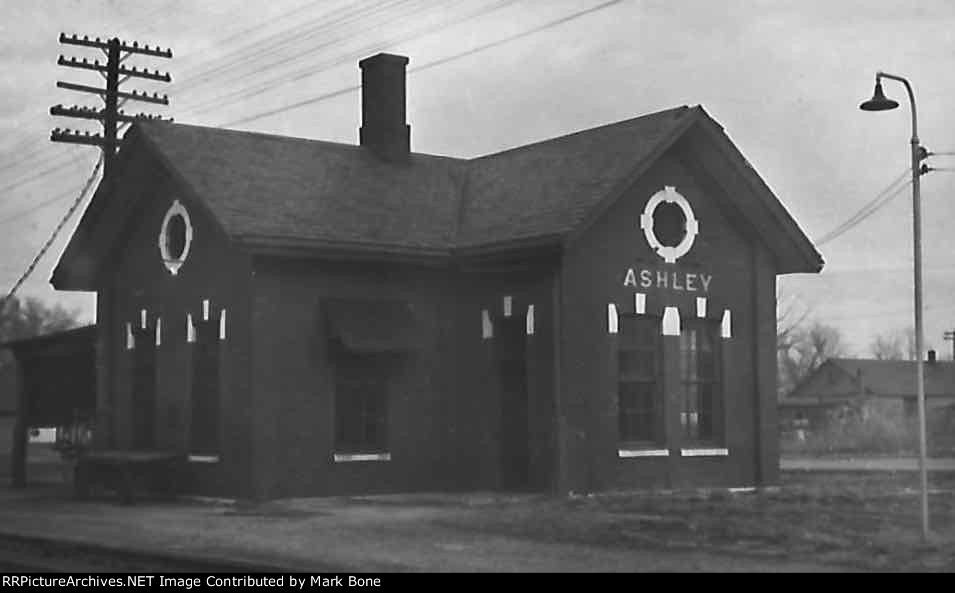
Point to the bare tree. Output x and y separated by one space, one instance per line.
897 344
888 346
791 314
807 348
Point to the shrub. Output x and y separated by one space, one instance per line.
875 429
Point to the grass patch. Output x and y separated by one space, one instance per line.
868 522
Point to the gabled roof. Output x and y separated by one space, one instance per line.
277 192
549 187
880 378
273 188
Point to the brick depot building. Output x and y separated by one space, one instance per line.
302 317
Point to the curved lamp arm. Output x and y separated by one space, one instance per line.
908 88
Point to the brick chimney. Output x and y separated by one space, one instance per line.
383 127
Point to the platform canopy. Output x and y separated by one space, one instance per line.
57 376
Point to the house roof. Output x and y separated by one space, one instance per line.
280 192
880 378
273 188
550 187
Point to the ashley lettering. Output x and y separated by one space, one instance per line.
679 281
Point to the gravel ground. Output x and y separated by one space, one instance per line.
814 522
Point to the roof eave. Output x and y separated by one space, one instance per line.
339 250
607 201
803 257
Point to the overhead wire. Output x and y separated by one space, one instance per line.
41 147
472 51
276 42
56 231
57 165
313 69
149 17
37 176
878 202
859 219
36 207
447 59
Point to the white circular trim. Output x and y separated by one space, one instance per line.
173 264
670 195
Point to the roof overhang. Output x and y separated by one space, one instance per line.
702 140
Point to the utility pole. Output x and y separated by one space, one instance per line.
111 116
950 337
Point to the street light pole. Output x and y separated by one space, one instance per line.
880 103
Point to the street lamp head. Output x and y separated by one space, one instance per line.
878 102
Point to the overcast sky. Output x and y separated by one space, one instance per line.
783 78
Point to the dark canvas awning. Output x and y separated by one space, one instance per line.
372 326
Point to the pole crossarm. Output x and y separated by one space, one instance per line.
143 96
111 117
103 44
100 114
77 137
133 72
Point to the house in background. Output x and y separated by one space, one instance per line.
299 317
846 385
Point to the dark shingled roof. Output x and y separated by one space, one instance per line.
275 188
279 188
897 377
551 186
277 192
881 378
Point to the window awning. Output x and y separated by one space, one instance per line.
372 326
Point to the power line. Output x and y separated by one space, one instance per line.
21 158
437 62
888 198
58 166
279 40
35 208
249 51
881 313
39 147
882 198
254 50
59 227
471 15
867 208
310 70
544 27
313 69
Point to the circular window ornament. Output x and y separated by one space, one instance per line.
175 237
669 225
